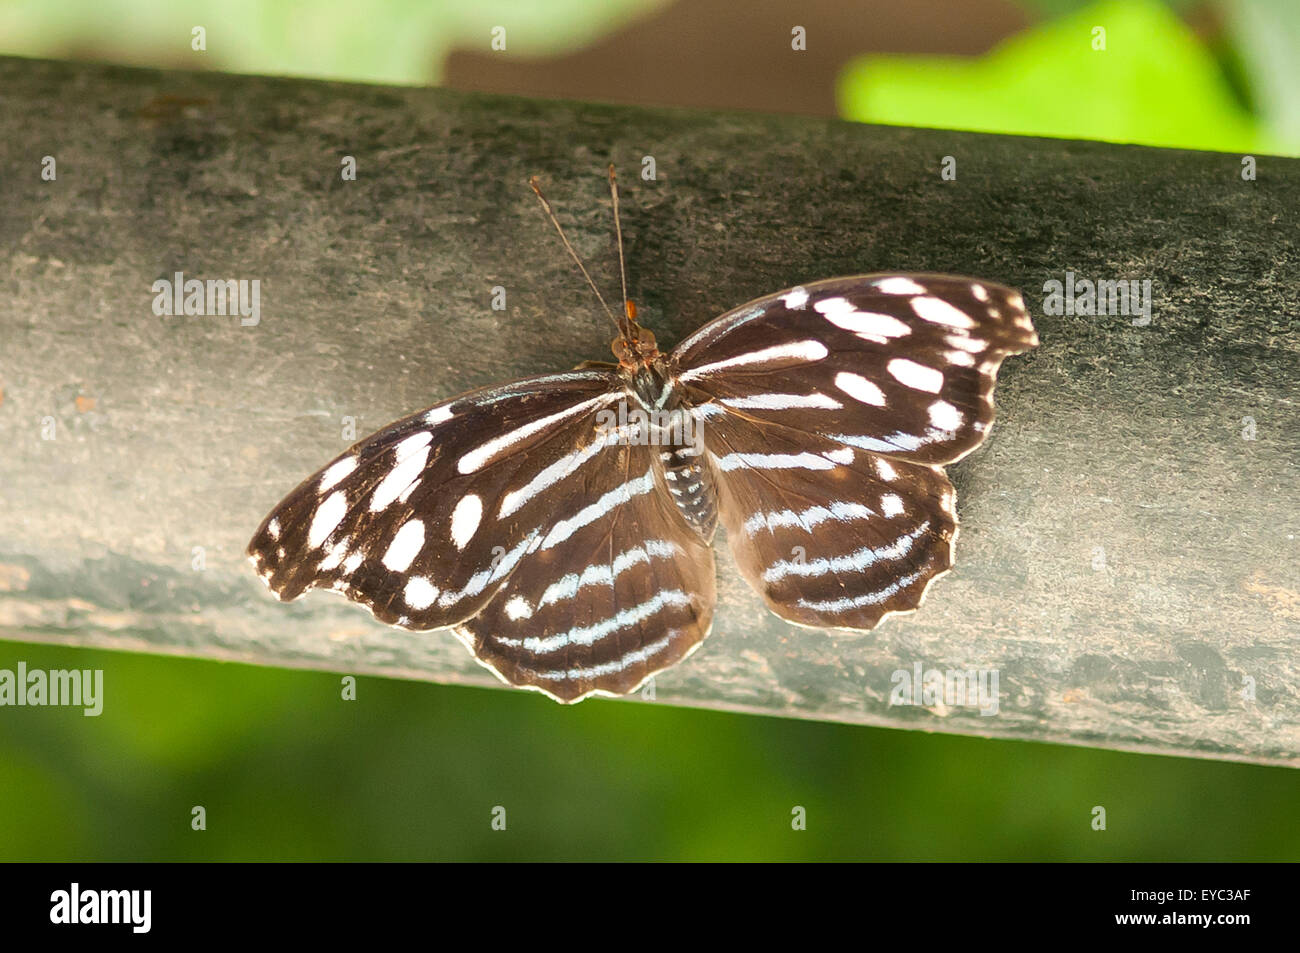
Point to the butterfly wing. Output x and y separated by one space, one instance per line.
829 535
902 365
613 595
455 515
827 412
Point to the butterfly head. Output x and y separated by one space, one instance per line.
635 347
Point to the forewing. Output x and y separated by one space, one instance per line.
521 516
829 535
618 591
422 521
902 365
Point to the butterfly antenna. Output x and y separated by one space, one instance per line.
628 308
574 255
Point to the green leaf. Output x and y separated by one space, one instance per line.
1117 71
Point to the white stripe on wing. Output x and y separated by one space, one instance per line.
852 562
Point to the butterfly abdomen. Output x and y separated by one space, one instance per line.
681 453
691 486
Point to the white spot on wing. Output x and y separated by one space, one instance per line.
835 306
411 444
916 376
334 554
438 415
945 416
336 472
465 519
517 608
869 324
405 546
886 471
419 592
795 299
328 515
973 345
891 505
860 389
938 311
406 472
899 286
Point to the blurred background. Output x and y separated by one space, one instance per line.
286 769
1201 74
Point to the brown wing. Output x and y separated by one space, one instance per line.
618 591
464 514
902 365
422 521
829 535
827 412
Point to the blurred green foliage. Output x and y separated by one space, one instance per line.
1118 70
286 769
1157 82
381 41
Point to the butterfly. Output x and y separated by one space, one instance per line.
562 525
